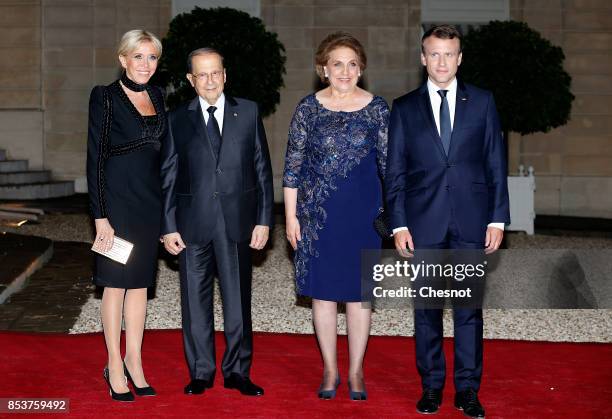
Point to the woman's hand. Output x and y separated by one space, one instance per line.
293 231
104 234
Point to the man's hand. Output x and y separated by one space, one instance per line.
493 239
173 243
403 243
259 238
292 228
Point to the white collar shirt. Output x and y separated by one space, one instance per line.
219 112
436 100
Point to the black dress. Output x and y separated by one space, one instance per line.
123 178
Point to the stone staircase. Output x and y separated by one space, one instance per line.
17 182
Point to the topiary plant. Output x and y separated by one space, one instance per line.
525 73
254 58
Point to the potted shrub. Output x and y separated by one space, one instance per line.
254 57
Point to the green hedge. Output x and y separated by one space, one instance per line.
254 58
525 73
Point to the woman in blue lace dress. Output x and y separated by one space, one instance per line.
332 186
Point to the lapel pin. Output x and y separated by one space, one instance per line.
464 98
235 114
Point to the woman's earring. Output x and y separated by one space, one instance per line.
325 73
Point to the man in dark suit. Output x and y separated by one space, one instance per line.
446 188
218 200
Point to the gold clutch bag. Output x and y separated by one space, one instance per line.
120 252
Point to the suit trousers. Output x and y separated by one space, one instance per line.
231 262
468 329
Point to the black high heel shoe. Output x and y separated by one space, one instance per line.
140 391
120 397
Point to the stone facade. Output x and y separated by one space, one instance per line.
21 116
573 163
390 32
59 49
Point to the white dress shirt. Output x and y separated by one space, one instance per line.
436 101
219 112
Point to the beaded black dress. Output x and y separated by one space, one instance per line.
123 178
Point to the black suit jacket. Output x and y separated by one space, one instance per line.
194 181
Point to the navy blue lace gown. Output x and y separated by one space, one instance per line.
336 161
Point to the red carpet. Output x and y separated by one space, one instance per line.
556 380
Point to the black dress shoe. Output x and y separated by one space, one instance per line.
120 397
140 391
467 401
430 401
198 386
243 384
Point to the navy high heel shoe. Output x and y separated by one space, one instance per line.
120 397
329 394
140 391
357 395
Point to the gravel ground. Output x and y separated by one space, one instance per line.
276 309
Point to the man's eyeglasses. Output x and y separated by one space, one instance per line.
215 76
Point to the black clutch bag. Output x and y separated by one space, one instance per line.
382 225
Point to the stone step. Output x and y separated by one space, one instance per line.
15 215
37 190
13 166
2 154
22 256
20 208
30 176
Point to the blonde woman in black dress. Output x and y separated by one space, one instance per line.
126 124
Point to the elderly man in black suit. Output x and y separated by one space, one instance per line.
218 199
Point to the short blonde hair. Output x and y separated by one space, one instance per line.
131 39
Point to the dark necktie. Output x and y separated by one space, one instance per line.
212 128
445 121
